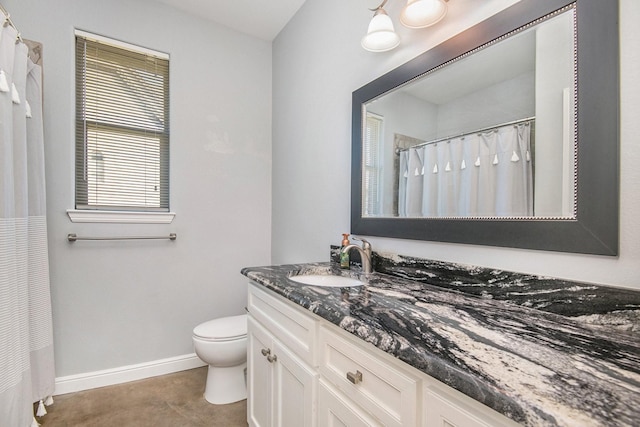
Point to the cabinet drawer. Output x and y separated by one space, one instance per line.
387 393
295 329
442 413
336 410
446 407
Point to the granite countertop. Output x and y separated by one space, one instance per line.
498 337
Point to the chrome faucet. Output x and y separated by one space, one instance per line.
365 253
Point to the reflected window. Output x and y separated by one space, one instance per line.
372 168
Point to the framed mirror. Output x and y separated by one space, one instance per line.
504 135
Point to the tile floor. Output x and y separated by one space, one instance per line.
173 400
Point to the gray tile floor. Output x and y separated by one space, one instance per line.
173 400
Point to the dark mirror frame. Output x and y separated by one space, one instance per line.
595 228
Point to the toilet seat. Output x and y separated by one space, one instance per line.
224 329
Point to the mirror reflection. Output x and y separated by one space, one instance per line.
491 134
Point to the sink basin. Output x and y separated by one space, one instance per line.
327 281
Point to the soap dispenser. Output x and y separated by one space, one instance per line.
344 256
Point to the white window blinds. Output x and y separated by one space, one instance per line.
122 127
371 165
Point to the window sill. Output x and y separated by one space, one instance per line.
121 217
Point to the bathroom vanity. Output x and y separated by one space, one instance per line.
437 344
324 377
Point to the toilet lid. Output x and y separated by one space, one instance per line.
225 328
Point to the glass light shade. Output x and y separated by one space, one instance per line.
422 13
380 36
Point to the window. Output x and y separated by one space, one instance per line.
122 126
371 165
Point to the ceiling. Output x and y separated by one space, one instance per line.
259 18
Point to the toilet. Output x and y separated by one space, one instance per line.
222 344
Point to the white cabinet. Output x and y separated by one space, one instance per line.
281 383
304 372
281 387
259 376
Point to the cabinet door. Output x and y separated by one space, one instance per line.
335 410
259 376
294 390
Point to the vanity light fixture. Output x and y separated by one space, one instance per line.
423 13
381 35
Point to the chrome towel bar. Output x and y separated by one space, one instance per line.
72 237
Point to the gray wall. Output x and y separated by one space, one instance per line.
315 72
122 303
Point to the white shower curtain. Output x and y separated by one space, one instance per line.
26 338
476 175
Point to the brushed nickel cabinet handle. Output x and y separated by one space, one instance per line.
354 378
272 359
265 351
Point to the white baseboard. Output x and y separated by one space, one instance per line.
123 374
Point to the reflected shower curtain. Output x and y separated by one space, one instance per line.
476 175
26 338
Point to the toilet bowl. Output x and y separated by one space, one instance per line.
222 344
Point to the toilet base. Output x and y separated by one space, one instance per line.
226 385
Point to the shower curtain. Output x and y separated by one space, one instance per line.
26 338
476 175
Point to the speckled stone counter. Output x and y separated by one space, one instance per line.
544 352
